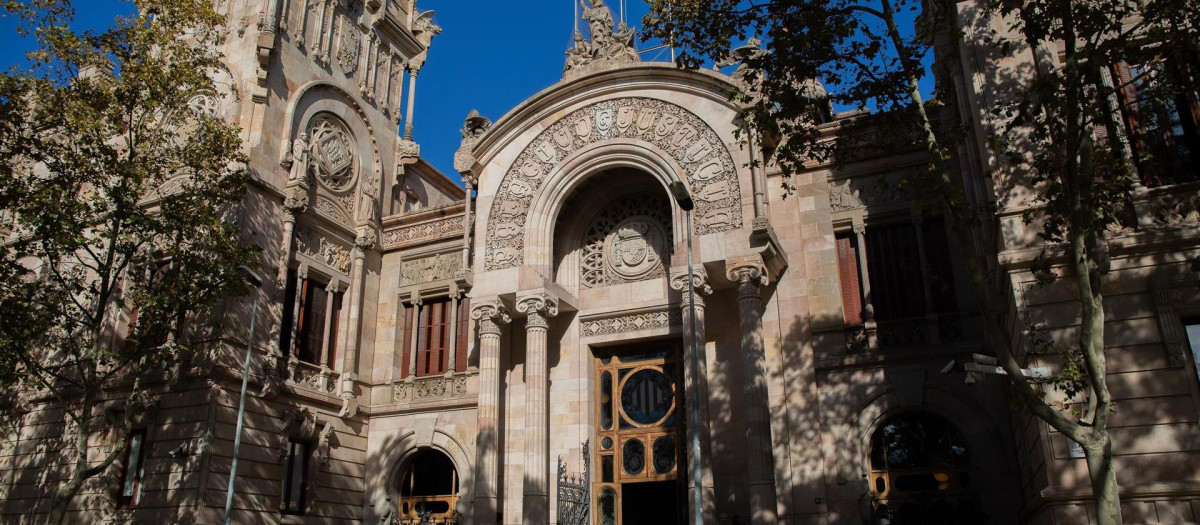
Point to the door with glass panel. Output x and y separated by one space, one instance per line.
639 436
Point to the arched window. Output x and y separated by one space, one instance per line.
429 489
921 472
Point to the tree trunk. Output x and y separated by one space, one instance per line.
62 499
1104 482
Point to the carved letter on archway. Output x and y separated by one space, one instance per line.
710 169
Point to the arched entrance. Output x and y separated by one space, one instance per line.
429 488
921 472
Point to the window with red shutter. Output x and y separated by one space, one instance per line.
1161 108
433 335
848 271
132 469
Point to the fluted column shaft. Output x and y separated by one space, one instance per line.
697 382
536 508
491 315
760 463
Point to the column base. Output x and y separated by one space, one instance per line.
487 510
536 509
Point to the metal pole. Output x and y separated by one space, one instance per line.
697 475
237 440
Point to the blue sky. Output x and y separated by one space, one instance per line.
490 56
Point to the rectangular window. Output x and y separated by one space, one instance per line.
295 477
1191 328
133 468
848 272
894 264
1161 108
314 312
433 337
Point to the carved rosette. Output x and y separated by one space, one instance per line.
538 308
490 314
627 242
690 142
333 156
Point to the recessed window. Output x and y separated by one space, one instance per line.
295 477
314 311
920 471
429 488
133 468
1192 329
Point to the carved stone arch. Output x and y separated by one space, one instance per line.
385 482
565 236
316 99
582 165
983 436
681 140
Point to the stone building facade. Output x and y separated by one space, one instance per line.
520 351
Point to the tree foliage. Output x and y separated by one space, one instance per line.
120 190
1044 122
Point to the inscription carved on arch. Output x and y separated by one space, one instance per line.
711 172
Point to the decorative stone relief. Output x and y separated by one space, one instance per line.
711 172
424 231
349 39
607 47
867 192
1176 208
316 246
429 269
631 323
628 242
473 129
333 158
430 388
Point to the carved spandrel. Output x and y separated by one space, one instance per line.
712 174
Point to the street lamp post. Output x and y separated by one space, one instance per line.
255 281
684 200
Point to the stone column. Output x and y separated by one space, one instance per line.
760 463
679 282
931 323
365 240
491 315
538 308
860 235
452 347
414 341
412 99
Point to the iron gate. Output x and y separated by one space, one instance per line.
574 492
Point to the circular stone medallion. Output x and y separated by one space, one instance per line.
633 249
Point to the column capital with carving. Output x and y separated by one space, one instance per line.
749 275
490 314
679 280
538 306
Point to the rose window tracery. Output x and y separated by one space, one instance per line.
333 160
627 242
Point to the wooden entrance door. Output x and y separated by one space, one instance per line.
640 434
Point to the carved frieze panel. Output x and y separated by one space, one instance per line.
627 242
634 322
316 246
430 389
431 268
711 172
422 232
852 194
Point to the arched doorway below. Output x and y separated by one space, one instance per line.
920 469
429 489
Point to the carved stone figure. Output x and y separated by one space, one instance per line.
606 48
600 20
367 202
473 129
300 158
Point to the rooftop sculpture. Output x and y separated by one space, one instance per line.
607 47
